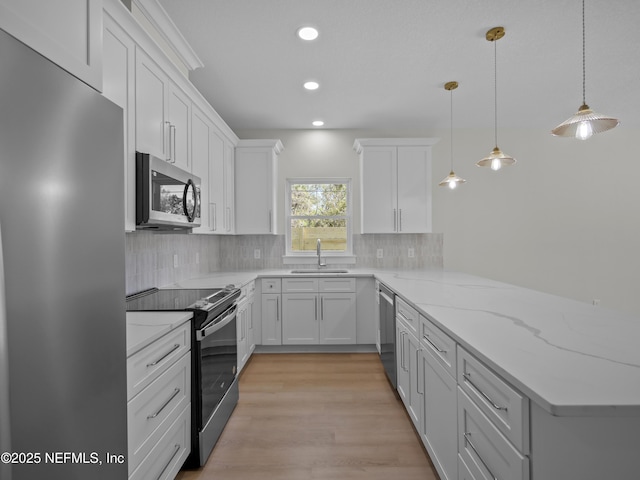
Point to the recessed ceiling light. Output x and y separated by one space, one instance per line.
317 123
308 33
311 85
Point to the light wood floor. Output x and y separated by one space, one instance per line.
316 416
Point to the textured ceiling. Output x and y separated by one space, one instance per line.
382 64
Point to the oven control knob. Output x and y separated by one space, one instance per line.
201 303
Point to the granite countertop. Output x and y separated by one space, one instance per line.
143 328
569 357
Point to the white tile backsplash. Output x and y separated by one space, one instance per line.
149 256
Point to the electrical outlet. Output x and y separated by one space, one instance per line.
175 260
412 252
256 253
596 302
379 253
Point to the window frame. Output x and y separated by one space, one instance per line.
348 217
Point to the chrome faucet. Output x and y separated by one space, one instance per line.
319 253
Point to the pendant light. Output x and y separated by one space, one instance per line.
496 159
452 179
585 122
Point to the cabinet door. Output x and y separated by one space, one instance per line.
251 339
379 190
403 381
119 86
415 398
254 191
68 32
242 331
414 190
271 324
151 104
300 319
439 430
201 133
179 118
228 207
216 182
337 318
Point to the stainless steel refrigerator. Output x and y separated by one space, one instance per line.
62 321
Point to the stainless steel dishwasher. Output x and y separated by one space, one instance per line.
386 300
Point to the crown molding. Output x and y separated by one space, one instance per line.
158 17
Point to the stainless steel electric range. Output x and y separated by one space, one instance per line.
214 392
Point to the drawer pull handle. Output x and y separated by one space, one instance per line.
467 378
438 349
467 438
176 449
153 364
175 392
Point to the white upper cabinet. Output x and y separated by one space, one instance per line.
163 114
256 171
395 176
119 87
201 132
68 32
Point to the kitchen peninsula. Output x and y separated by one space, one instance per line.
577 366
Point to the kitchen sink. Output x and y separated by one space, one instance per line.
315 271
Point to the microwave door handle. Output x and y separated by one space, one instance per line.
190 186
205 332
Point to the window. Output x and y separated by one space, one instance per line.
318 209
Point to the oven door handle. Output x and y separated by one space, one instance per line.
217 325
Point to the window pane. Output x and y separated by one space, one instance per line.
318 199
305 232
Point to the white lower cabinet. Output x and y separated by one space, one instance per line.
271 311
409 383
439 415
486 452
159 406
318 311
244 322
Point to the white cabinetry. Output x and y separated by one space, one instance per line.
68 32
163 114
395 183
256 171
159 406
318 311
271 310
246 344
408 352
438 366
493 423
119 87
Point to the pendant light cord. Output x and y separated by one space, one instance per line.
495 89
451 92
584 69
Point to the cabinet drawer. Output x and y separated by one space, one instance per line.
407 313
484 450
441 345
507 408
145 366
300 285
337 284
168 455
151 412
271 285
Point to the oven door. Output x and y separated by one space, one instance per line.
217 352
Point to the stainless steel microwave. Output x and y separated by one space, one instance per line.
167 197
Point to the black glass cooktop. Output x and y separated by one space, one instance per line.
168 300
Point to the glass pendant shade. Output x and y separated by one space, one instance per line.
496 160
584 124
452 180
